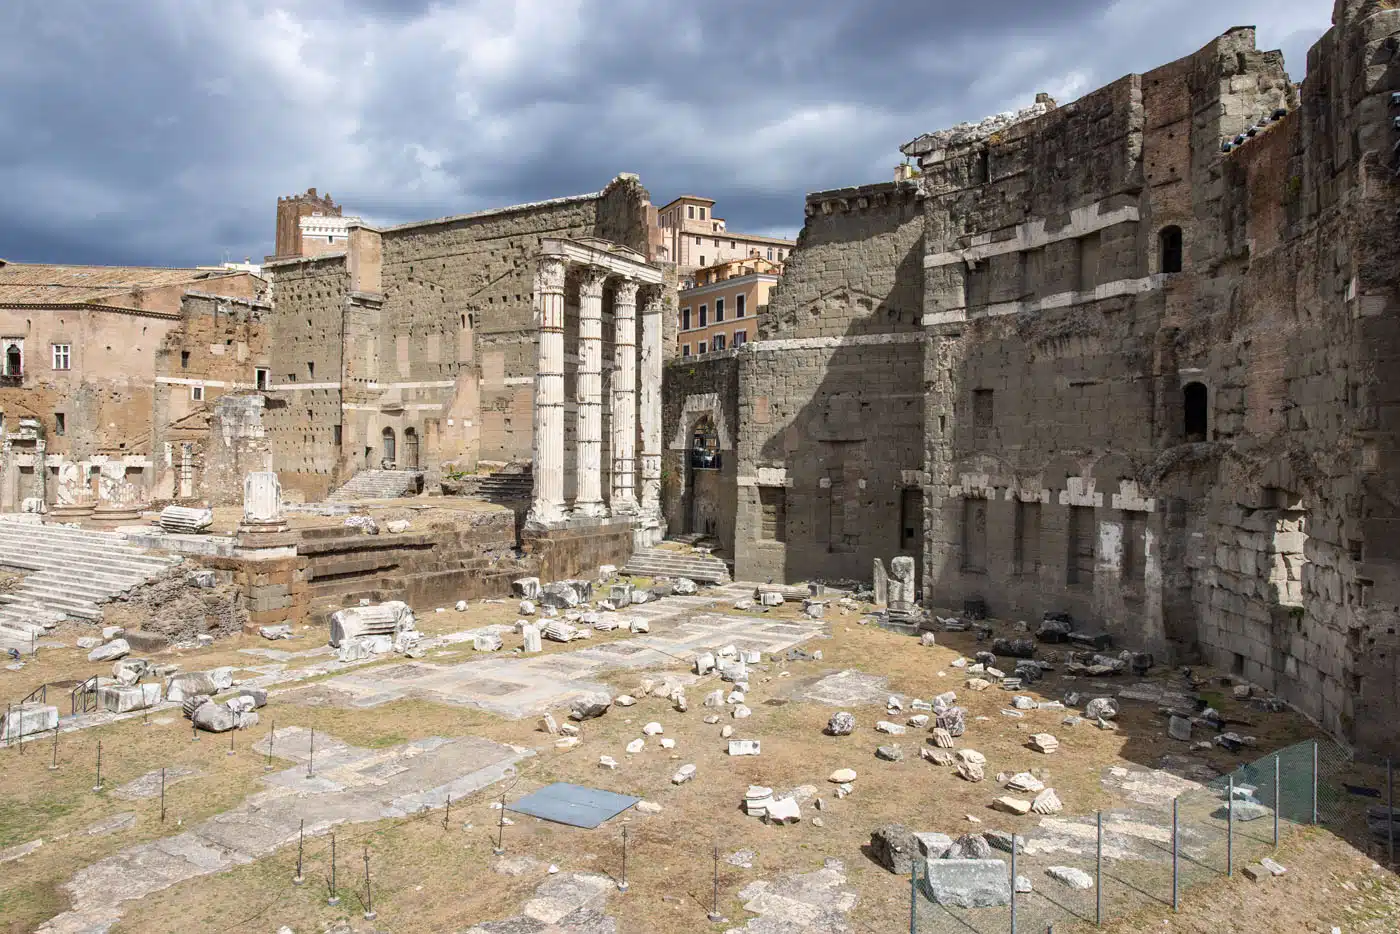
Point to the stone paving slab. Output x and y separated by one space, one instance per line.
518 686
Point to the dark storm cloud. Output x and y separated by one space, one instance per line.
163 132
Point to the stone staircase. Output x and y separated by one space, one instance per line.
379 484
665 562
73 570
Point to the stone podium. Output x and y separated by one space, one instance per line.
73 493
118 499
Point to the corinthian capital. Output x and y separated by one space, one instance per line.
625 292
591 282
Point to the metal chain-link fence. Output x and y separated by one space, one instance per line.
1090 870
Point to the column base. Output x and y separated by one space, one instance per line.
70 512
117 514
590 510
546 516
261 528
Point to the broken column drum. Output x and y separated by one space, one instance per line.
262 502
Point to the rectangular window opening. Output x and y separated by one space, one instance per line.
772 504
60 423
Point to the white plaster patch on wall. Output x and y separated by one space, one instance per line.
1027 494
422 384
1060 300
973 486
1130 499
1110 556
518 381
1032 234
912 477
820 343
696 405
1080 492
767 476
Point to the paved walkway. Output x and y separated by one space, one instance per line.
348 785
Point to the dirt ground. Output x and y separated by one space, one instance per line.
427 877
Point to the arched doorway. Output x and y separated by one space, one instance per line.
390 449
14 361
410 449
702 477
1195 402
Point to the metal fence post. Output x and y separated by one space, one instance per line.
1098 872
1390 810
1176 848
1230 830
1314 787
1277 802
1013 883
913 895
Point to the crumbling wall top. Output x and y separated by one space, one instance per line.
965 134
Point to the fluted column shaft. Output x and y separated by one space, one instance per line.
650 399
548 505
588 499
624 399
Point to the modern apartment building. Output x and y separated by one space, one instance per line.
720 309
694 238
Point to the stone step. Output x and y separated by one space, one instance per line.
52 539
42 599
36 556
378 484
660 562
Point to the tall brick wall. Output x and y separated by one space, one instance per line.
1193 454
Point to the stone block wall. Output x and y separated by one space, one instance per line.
830 409
578 551
1152 361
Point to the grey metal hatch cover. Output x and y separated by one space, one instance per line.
575 805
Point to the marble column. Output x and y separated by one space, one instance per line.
650 399
548 467
624 399
588 499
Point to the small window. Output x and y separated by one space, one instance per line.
704 315
1195 402
685 350
690 211
685 319
700 348
770 253
184 359
719 342
697 242
733 245
62 356
310 370
719 310
702 255
740 338
739 301
702 214
60 423
335 435
780 254
197 393
262 377
1170 242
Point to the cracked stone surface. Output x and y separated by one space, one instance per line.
800 903
347 787
565 903
848 688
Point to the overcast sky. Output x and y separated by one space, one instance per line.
161 132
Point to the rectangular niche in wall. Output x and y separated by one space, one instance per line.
1079 566
974 536
1027 543
772 506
